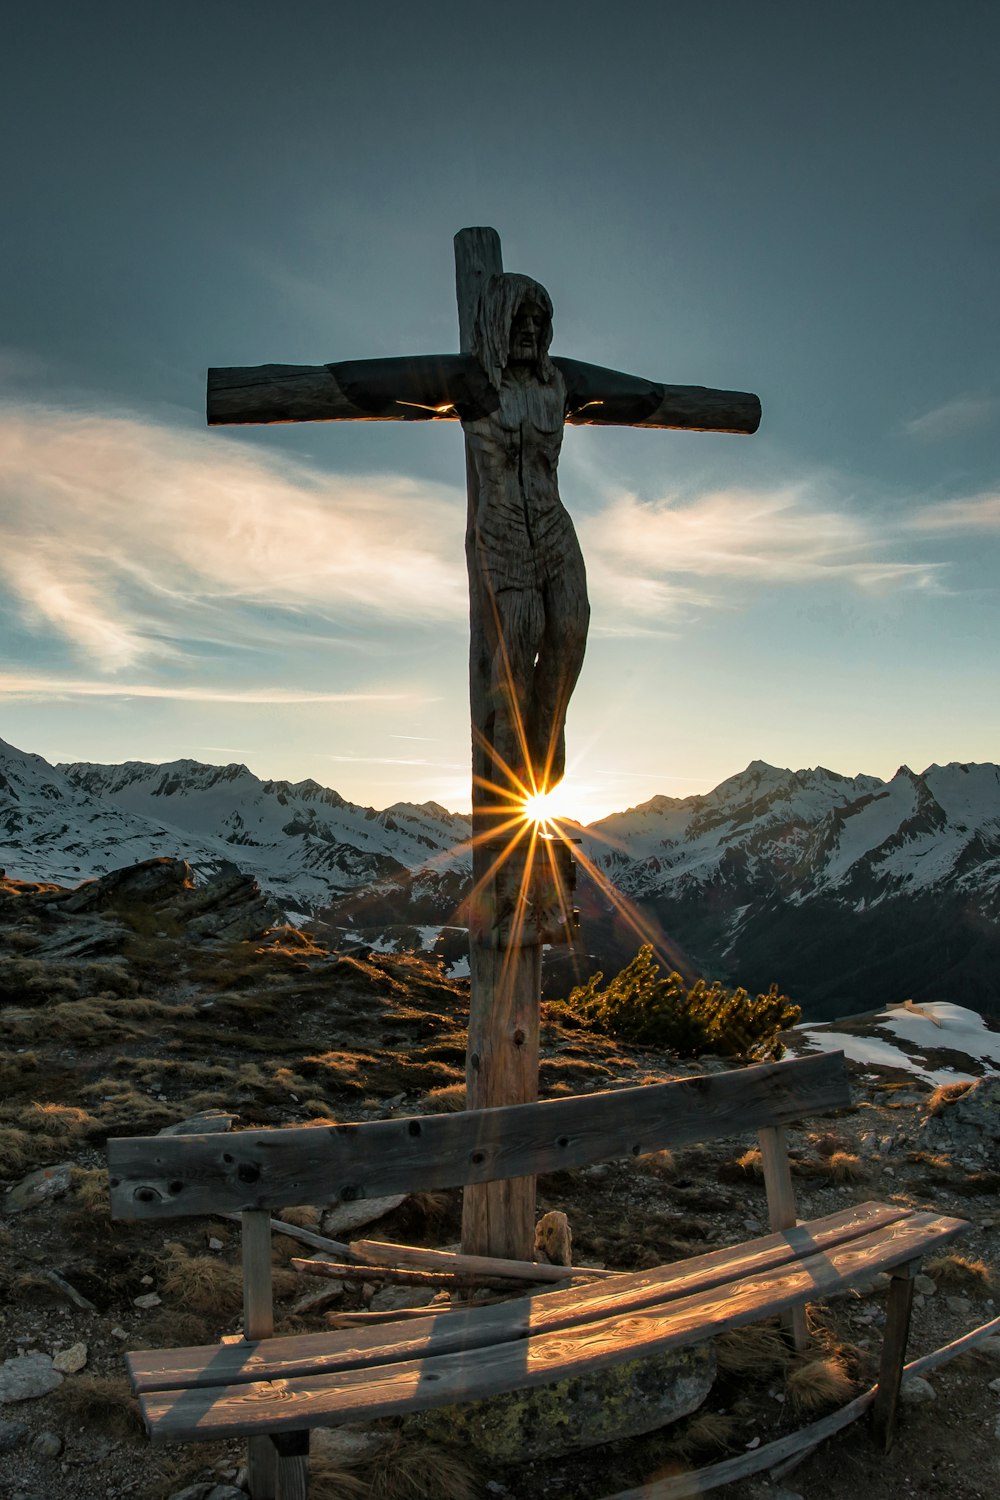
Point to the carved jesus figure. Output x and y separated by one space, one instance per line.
523 551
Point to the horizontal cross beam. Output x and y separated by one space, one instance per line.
452 387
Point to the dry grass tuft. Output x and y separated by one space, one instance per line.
15 1068
413 1469
961 1273
451 1097
90 1187
21 1151
746 1168
706 1431
845 1166
754 1350
102 1404
819 1383
178 1330
657 1164
945 1094
303 1215
328 1481
209 1286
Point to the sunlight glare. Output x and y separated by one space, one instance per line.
546 807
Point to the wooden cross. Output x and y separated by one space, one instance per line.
528 615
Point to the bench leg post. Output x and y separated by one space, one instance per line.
291 1450
897 1328
262 1469
782 1214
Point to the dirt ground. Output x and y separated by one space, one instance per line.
140 1028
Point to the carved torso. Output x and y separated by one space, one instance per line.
523 532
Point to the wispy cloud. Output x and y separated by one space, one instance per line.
40 685
977 513
125 536
643 550
953 418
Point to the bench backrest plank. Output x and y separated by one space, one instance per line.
170 1176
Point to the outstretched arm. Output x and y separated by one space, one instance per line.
599 397
425 387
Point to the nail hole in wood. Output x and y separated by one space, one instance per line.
414 1127
478 1157
563 1141
175 1188
349 1193
248 1171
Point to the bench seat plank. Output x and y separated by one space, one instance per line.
389 1389
166 1177
544 1312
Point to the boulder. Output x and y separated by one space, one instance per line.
38 1187
26 1376
355 1214
969 1125
581 1411
209 1122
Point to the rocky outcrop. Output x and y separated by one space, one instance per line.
601 1406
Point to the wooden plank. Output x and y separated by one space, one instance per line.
781 1208
899 1305
164 1177
416 1385
384 1254
469 1327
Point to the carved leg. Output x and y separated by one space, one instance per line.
560 658
292 1452
897 1328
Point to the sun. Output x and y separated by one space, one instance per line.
545 807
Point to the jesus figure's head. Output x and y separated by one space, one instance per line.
513 327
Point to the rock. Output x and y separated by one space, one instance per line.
345 1445
915 1390
346 1217
391 1297
581 1411
968 1123
68 1361
46 1444
554 1239
38 1187
990 1347
209 1491
26 1376
958 1304
994 1385
208 1122
148 1299
11 1434
214 1244
118 1332
330 1291
925 1285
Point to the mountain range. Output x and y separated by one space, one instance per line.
850 892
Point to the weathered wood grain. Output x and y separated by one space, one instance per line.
897 1330
164 1177
781 1207
415 1385
445 387
381 1254
281 1358
258 1324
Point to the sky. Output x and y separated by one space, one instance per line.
787 198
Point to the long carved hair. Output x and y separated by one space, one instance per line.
499 300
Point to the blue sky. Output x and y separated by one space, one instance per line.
794 199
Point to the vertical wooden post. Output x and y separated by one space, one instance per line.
505 982
781 1209
258 1323
897 1330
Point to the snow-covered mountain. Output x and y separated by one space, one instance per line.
849 891
304 844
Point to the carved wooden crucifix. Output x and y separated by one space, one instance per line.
529 615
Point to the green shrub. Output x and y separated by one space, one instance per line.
640 1006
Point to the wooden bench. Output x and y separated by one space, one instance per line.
274 1389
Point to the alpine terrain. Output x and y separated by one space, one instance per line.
850 892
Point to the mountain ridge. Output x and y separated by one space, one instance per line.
809 877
